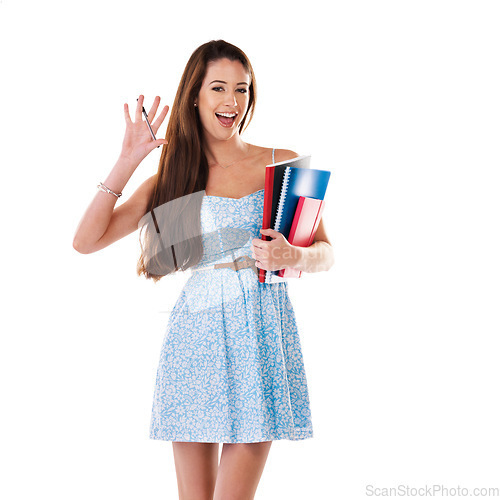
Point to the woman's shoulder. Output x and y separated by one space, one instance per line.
279 154
284 154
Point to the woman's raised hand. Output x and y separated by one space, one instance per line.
138 143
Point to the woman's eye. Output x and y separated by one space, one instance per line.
218 89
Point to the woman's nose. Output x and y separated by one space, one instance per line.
230 99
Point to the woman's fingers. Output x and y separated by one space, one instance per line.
160 118
153 109
158 142
138 113
138 110
126 113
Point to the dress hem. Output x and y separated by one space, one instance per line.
298 435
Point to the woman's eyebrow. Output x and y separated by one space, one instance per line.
222 81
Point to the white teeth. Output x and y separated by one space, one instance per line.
227 115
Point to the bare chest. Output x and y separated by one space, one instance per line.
236 184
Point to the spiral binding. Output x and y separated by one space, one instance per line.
270 277
281 203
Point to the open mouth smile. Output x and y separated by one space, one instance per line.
226 119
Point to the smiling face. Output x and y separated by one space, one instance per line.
223 98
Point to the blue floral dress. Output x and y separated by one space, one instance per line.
231 368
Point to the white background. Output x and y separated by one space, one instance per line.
400 338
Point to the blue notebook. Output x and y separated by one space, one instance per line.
298 182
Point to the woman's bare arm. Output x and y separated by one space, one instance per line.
117 222
102 223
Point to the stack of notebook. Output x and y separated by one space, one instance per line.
293 204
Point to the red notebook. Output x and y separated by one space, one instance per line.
266 217
268 201
304 226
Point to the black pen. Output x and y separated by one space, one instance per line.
149 126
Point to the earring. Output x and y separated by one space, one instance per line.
195 104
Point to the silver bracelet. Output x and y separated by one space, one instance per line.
105 189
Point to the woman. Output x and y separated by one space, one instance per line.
231 369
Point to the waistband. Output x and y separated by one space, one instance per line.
243 262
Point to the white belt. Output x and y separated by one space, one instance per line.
242 262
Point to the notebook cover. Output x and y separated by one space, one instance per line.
308 183
268 203
304 226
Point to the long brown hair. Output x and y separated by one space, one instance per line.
183 171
